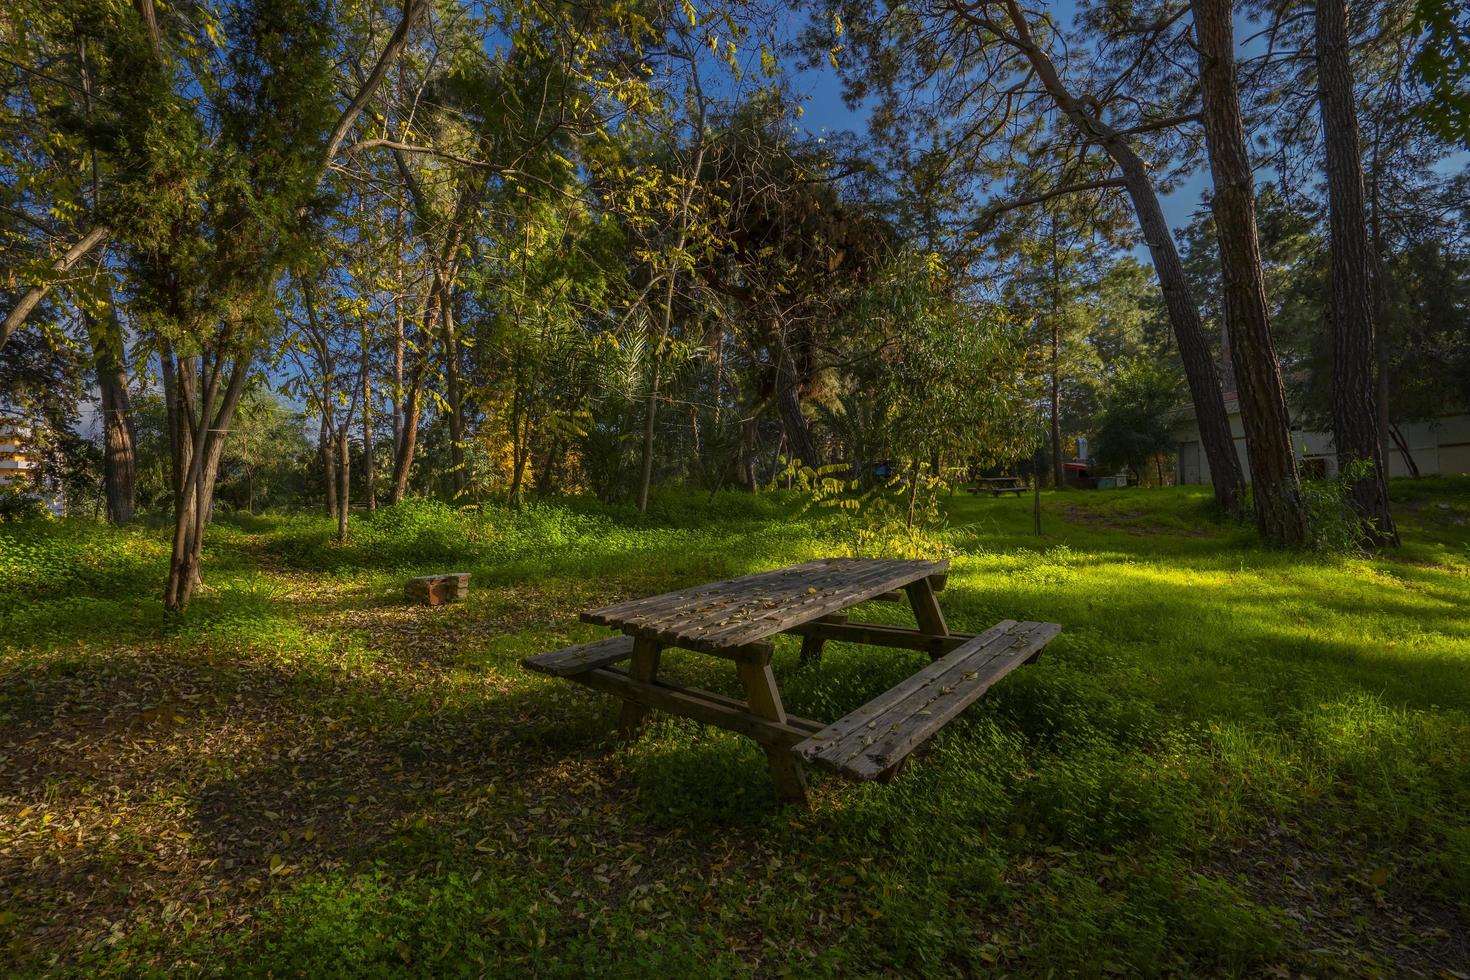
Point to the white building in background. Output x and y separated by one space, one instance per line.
1440 445
19 463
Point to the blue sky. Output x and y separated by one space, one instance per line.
825 111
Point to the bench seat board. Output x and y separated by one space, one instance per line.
581 658
880 734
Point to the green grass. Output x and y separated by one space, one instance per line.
1232 761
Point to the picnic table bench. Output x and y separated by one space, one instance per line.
737 620
997 485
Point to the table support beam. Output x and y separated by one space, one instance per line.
878 635
643 668
926 608
765 701
703 706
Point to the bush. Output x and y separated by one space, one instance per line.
1335 527
17 504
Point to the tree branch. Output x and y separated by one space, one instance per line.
1168 122
993 211
38 292
412 10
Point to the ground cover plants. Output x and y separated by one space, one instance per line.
1233 761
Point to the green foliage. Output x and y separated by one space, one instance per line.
19 503
900 518
1132 424
1335 527
414 801
946 380
1442 65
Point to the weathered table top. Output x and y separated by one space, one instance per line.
727 616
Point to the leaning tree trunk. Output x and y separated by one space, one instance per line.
1200 371
204 428
1194 350
33 296
1354 421
1281 514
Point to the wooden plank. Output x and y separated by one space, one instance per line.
643 669
740 614
910 731
700 705
745 600
649 607
866 725
879 741
582 657
874 634
859 718
812 605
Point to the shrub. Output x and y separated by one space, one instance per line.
17 504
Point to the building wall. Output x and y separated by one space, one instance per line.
15 464
1438 446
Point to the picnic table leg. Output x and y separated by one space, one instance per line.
644 668
764 700
811 650
926 610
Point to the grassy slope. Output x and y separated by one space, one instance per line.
1230 761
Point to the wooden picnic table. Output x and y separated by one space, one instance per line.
997 485
738 619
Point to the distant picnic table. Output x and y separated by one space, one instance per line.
997 485
737 619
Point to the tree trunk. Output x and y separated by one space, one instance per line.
1354 420
788 403
1281 514
1383 363
369 464
408 438
454 397
325 446
344 483
650 419
1194 350
119 464
749 451
398 393
1056 401
1036 493
1403 445
1058 472
205 435
408 434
